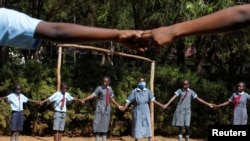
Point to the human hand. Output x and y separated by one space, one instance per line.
83 101
165 106
215 106
37 103
211 105
162 106
132 40
122 108
40 103
159 36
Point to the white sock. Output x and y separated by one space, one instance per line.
104 138
97 138
179 137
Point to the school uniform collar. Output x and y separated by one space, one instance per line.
17 94
138 89
62 93
241 93
185 89
103 87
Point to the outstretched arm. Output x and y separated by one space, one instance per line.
123 108
74 33
225 20
77 99
34 101
170 101
45 100
87 98
158 103
3 98
114 101
222 104
204 102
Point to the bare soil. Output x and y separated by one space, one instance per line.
124 138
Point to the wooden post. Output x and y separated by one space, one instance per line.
152 90
59 63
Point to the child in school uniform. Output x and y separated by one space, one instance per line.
105 95
59 100
182 115
239 100
16 100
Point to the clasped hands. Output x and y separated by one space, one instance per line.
140 40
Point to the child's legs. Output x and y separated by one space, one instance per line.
16 124
180 129
60 135
186 130
97 136
187 123
14 136
58 126
104 136
56 135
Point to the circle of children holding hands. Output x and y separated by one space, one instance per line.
140 97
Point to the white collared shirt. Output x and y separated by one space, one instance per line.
16 101
57 97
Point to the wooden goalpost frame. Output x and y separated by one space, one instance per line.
152 74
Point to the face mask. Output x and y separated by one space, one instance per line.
142 85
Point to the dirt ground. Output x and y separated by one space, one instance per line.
125 138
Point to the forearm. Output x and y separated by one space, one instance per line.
171 100
223 104
113 101
222 21
33 101
45 100
157 103
126 105
77 99
72 33
88 97
202 101
3 98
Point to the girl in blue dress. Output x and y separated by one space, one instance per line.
239 100
182 115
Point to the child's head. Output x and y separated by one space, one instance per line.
186 84
18 88
64 87
141 83
241 86
106 80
